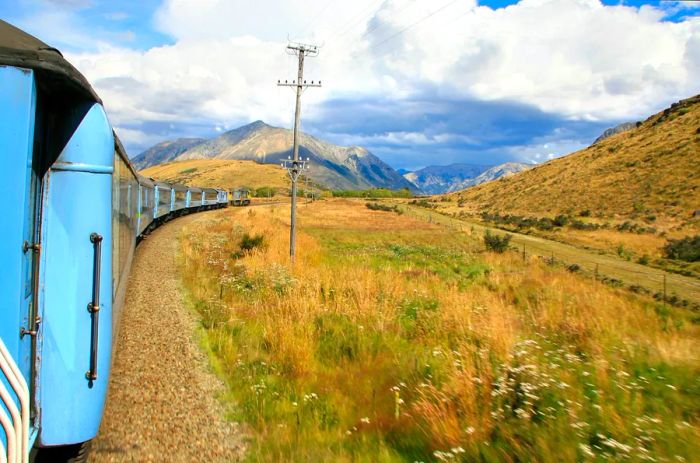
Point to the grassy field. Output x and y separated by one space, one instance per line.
215 173
395 339
617 269
647 178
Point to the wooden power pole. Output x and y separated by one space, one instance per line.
295 165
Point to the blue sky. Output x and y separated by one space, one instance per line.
417 82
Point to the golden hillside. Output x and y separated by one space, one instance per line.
652 170
226 174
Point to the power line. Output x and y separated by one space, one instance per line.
316 16
369 31
387 50
357 19
410 26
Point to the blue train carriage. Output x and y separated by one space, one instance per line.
68 233
147 203
163 202
179 197
194 198
222 198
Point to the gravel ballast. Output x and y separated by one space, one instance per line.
162 402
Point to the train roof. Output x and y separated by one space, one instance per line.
179 186
144 180
19 49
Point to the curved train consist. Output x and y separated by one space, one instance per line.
75 209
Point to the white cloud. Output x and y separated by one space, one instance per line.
576 58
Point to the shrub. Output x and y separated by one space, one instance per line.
265 192
496 243
585 213
423 203
373 193
383 207
644 260
687 249
250 242
189 171
545 224
561 220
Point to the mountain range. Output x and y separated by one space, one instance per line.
454 177
439 179
333 166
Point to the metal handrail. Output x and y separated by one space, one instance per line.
17 431
94 306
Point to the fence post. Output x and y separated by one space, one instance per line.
664 290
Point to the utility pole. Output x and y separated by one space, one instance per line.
295 165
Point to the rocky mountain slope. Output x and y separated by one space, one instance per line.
334 166
650 172
496 172
164 152
439 179
624 127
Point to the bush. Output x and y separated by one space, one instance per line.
496 243
423 203
373 193
545 224
561 220
383 207
573 268
248 242
585 213
687 249
264 192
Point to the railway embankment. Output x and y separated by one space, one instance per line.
162 402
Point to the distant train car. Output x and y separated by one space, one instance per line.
74 208
210 197
179 196
194 197
240 197
164 201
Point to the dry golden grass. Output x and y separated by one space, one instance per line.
392 339
226 174
651 170
611 240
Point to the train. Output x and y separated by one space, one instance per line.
75 210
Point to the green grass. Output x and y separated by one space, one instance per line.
416 345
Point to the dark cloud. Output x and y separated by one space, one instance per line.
453 130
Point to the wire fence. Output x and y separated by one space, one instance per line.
671 288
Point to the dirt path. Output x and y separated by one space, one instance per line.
630 273
161 404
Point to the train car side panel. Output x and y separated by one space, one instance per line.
124 222
17 188
77 195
